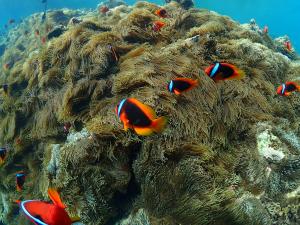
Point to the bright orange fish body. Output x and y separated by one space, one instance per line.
44 213
181 84
287 88
161 13
139 117
224 71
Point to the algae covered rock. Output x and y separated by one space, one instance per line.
230 153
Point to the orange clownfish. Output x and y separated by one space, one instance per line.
287 88
288 45
104 9
161 13
224 71
157 25
180 85
139 117
43 40
3 154
45 213
266 29
20 180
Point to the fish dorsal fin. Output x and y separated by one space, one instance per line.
54 196
145 108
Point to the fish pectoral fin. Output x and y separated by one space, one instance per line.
176 92
126 125
143 131
54 196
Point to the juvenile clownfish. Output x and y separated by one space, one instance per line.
161 13
104 9
43 40
139 117
266 29
157 25
67 127
20 180
3 154
45 213
288 45
287 88
113 52
224 71
180 85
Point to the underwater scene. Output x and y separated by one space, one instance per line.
167 112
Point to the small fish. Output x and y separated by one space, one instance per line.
45 213
103 9
18 141
5 88
266 29
67 127
113 52
139 117
161 13
157 25
180 85
6 66
287 88
224 71
44 17
11 21
3 154
43 40
37 33
20 180
288 45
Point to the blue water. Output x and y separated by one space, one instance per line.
282 17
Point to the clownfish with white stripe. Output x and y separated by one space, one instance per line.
139 117
224 71
287 88
20 180
45 213
181 84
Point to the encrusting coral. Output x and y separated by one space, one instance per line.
229 153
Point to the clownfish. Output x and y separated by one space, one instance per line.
67 127
103 9
287 88
3 154
180 85
288 45
45 213
161 13
43 40
224 71
139 117
266 29
113 52
157 25
20 180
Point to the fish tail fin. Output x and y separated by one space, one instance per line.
17 202
143 131
54 196
75 219
159 124
239 74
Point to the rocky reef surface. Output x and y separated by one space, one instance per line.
230 153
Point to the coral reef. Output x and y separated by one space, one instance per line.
230 153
